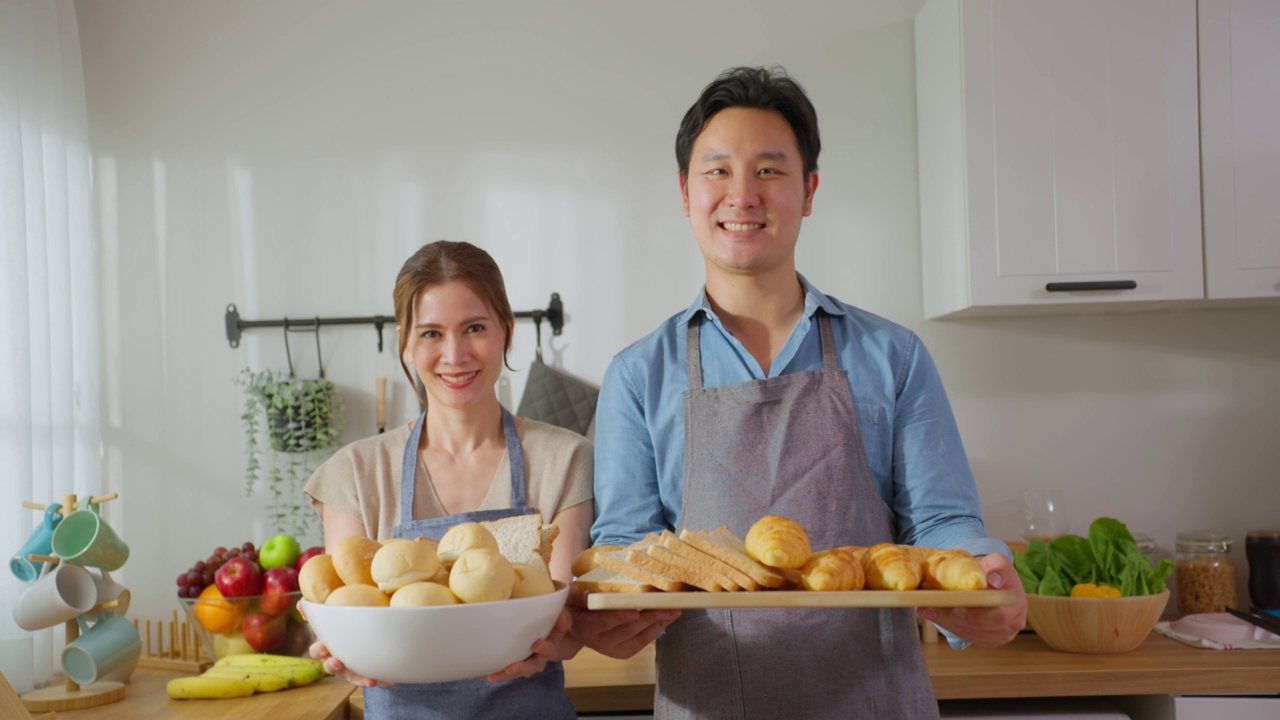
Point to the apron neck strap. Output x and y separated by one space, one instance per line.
409 467
693 348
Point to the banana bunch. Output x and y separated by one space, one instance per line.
243 675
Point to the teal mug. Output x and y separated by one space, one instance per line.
84 538
38 544
106 646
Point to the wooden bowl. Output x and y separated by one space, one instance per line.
1094 625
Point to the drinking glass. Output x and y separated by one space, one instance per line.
1044 515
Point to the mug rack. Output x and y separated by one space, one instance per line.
71 695
235 325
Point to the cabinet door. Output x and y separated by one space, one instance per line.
1240 146
1082 157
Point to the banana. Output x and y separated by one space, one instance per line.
289 675
184 688
260 682
263 660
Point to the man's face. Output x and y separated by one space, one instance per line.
746 192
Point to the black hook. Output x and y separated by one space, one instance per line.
319 359
288 355
537 330
377 323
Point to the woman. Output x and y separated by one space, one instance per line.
455 324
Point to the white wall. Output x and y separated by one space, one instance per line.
287 156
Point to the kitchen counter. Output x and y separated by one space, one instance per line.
1025 667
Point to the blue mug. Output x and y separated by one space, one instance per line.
40 543
103 648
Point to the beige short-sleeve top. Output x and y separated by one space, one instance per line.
362 480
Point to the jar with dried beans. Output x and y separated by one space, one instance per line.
1205 575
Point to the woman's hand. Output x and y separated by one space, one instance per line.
986 627
549 649
334 666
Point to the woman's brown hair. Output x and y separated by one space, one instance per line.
436 264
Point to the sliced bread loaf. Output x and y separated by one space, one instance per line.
723 545
603 579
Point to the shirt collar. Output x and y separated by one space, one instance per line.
813 299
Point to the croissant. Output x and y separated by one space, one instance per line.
891 567
778 542
834 569
954 570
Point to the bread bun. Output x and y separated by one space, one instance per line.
532 579
364 595
352 558
587 559
422 594
400 562
317 579
463 537
481 575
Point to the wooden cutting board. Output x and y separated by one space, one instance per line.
800 599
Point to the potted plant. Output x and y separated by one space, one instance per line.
301 421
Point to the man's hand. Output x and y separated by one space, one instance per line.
616 633
986 627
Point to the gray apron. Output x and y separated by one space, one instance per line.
538 697
789 445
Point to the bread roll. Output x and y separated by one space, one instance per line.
587 559
353 557
832 570
532 578
891 567
317 582
364 595
954 570
422 594
481 575
463 537
400 562
778 542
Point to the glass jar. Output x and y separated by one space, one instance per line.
1262 548
1204 572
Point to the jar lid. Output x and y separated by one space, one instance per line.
1202 541
1269 534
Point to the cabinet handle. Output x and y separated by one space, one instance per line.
1091 285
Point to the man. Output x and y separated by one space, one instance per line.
766 396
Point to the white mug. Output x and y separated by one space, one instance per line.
58 596
108 590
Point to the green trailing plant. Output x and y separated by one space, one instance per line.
296 424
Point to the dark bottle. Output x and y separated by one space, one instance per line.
1262 548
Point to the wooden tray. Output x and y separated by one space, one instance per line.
800 599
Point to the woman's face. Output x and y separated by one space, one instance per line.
456 345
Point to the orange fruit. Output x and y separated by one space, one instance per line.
215 613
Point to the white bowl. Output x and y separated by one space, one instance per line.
438 643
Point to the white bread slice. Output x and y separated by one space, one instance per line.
549 535
723 545
685 570
617 560
603 579
730 577
519 537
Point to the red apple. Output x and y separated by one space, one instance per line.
279 590
297 639
238 577
264 632
307 555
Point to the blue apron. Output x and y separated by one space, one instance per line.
538 697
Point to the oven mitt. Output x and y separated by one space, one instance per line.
555 397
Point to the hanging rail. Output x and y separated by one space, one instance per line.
553 314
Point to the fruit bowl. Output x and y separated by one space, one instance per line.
254 624
438 643
1094 625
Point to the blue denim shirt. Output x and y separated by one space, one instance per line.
912 443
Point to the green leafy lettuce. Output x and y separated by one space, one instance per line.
1109 556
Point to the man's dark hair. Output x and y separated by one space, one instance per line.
753 87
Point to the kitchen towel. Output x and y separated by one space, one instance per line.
1260 640
555 397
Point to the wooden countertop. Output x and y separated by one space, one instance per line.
1025 667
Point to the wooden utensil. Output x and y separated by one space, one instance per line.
801 599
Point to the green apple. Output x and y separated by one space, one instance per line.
279 550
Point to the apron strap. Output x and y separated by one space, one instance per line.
693 352
829 359
409 466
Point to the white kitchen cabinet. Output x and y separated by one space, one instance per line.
1240 146
1058 147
